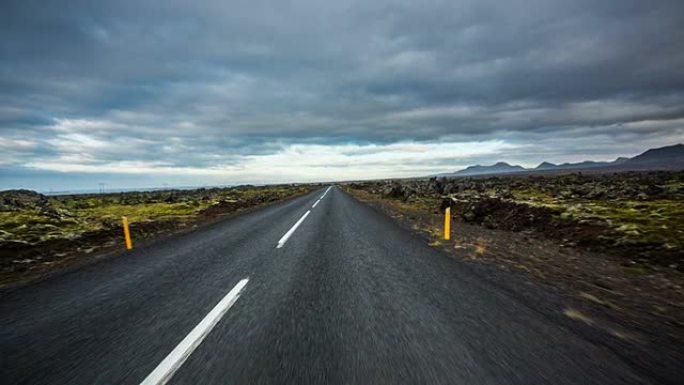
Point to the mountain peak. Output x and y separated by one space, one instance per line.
663 156
545 166
497 168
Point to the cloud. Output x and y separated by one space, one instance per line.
227 87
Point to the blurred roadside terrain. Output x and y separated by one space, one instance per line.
636 215
611 244
40 233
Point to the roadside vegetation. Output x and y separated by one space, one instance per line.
38 232
636 215
611 245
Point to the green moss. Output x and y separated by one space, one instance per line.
532 195
143 212
653 222
77 214
34 226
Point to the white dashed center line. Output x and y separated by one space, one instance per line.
289 233
165 370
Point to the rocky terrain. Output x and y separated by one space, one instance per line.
40 233
636 215
610 245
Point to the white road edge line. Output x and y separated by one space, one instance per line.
165 370
314 205
287 235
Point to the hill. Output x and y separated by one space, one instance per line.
498 168
670 156
663 158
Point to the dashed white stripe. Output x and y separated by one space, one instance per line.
165 370
289 233
326 191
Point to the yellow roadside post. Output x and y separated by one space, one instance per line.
127 233
447 223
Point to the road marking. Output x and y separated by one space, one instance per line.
326 191
287 235
165 370
314 205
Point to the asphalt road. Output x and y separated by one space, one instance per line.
349 298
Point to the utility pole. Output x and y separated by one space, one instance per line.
102 186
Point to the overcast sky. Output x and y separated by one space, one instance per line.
147 93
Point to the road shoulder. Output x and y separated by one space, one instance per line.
580 299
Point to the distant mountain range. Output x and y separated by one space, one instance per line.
669 157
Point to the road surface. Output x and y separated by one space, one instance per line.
307 291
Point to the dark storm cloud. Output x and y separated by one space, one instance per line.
202 84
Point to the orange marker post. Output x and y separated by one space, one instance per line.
127 233
447 223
